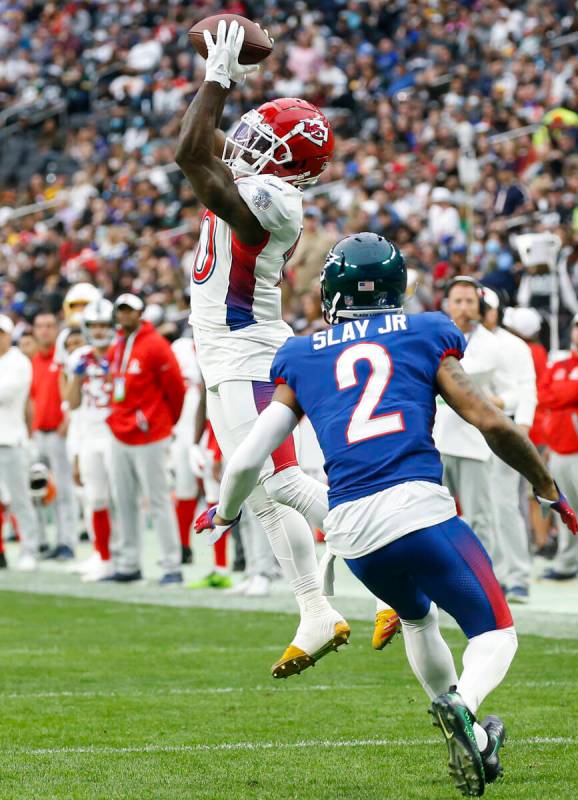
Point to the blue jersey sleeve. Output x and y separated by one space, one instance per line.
450 341
280 368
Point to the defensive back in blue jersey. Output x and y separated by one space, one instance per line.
369 386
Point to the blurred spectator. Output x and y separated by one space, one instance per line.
315 242
511 557
15 382
148 392
465 453
186 482
559 394
455 124
50 426
88 391
526 323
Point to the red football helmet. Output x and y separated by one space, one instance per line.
289 138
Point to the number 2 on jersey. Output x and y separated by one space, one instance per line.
362 424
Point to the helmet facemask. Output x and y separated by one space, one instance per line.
253 148
92 340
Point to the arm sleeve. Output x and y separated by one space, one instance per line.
528 398
171 380
270 430
271 203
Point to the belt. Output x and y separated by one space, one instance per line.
47 430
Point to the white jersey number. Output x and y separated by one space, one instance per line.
362 424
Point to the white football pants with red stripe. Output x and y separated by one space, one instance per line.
284 490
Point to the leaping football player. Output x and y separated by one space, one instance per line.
368 386
250 229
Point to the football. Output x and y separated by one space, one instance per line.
256 47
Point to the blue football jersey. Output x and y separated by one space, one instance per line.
369 387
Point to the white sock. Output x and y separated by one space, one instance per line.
381 606
487 659
481 737
307 591
428 654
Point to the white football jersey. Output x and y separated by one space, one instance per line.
184 350
235 289
95 395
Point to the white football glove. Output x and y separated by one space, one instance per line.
222 65
197 460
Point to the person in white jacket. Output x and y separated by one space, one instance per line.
512 558
465 454
15 381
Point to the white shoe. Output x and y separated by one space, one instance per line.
316 637
240 588
100 571
259 586
26 563
82 567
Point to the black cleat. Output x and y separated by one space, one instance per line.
496 731
456 722
186 555
124 577
60 553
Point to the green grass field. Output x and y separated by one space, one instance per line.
107 700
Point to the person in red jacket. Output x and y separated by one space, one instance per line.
148 393
558 392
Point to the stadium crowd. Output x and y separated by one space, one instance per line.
456 130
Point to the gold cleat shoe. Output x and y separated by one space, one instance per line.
294 660
387 624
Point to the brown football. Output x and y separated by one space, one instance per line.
256 47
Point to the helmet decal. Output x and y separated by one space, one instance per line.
288 137
316 131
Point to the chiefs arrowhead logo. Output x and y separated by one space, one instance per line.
316 131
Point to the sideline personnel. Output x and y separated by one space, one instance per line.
148 393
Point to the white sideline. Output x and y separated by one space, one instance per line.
245 746
271 687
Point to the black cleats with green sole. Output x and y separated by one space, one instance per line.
496 731
456 721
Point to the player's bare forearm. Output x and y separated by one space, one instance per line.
510 444
504 438
210 177
202 117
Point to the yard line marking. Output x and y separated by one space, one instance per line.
185 690
271 687
247 746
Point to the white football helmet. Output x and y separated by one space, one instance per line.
100 311
76 300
